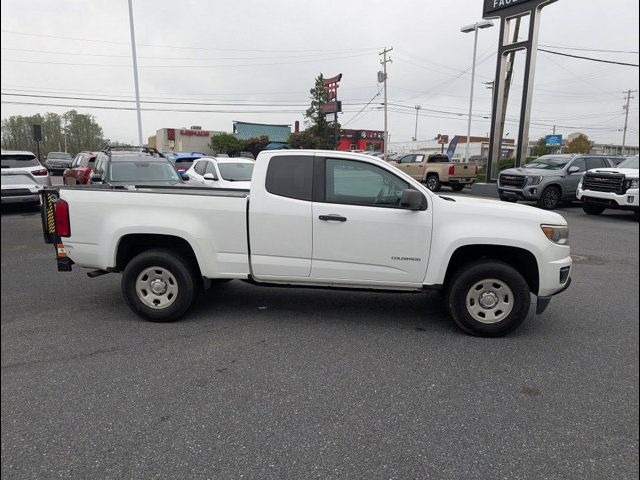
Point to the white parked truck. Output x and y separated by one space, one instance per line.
321 219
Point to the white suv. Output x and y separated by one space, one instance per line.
23 176
231 173
616 188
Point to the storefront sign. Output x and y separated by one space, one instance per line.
194 133
504 8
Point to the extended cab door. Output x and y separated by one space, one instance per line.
412 165
361 235
280 215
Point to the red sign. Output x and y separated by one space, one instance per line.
331 85
194 133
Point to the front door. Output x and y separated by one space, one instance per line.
360 233
572 179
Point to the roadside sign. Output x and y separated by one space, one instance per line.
443 139
553 140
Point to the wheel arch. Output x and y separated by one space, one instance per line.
524 261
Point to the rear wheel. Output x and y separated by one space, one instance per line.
550 198
457 187
592 209
159 285
433 182
488 299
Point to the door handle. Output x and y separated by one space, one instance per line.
333 218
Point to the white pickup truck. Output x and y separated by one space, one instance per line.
315 219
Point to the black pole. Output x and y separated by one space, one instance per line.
38 149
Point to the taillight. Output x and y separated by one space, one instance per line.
40 172
63 226
452 170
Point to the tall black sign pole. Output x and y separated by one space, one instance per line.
508 11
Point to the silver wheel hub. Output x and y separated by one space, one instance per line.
490 301
156 287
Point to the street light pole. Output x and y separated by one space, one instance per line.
135 73
415 135
384 62
468 29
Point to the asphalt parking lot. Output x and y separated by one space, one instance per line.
295 383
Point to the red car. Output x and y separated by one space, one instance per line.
81 169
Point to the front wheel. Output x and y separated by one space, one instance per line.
159 285
488 299
593 209
550 198
433 183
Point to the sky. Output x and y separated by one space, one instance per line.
255 61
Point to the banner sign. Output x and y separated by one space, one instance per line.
553 140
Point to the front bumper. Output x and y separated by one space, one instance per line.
530 192
543 302
628 201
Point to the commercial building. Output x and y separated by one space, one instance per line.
192 139
366 140
278 134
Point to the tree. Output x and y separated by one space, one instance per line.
316 120
256 145
81 131
226 143
580 144
304 139
541 148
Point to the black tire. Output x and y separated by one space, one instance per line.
433 182
181 270
462 285
592 209
457 188
550 198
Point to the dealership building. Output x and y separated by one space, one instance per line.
192 139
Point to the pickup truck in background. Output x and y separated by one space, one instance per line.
436 170
616 188
322 219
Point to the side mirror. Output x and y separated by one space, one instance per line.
210 176
573 170
184 176
413 200
96 177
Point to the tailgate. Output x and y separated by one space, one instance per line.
465 170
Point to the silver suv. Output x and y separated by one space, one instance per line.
549 179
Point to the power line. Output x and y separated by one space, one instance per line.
363 108
579 49
589 58
92 40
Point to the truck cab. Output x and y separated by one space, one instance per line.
436 170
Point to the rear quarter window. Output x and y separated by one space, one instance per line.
291 176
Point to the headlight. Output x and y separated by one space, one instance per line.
633 183
556 233
534 180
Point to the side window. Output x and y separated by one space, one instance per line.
291 176
595 162
90 161
76 161
211 168
580 163
407 159
200 167
356 183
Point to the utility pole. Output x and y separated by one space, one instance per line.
384 62
626 118
135 73
415 136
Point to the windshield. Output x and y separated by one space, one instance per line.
62 155
549 163
236 172
630 163
19 161
134 172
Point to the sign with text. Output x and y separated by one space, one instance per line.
505 8
331 86
195 133
553 140
443 139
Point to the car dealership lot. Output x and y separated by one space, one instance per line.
294 383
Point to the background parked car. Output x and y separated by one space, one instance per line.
58 162
121 169
23 176
184 161
234 173
81 168
548 180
